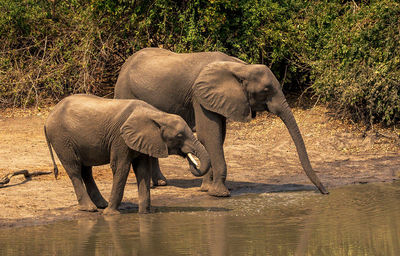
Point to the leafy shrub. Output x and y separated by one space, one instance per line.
356 65
46 55
347 52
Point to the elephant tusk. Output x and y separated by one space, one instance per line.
191 157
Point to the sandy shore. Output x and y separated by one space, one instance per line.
260 155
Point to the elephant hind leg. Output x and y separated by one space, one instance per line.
156 175
92 188
74 172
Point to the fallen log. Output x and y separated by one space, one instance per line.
26 173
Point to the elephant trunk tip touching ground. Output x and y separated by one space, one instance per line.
287 117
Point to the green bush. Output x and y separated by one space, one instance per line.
46 54
347 52
356 65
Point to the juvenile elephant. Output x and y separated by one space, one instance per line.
87 131
205 88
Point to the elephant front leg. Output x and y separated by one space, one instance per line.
141 167
120 169
211 129
216 186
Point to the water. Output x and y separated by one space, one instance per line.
353 220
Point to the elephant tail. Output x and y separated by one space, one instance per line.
51 153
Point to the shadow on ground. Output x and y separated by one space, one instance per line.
244 187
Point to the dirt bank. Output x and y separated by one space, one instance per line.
261 158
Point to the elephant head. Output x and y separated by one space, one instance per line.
235 90
159 134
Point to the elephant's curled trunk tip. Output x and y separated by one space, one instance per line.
55 172
322 189
196 169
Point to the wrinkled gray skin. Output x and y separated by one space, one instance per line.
87 131
204 89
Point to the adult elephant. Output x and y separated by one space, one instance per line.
205 88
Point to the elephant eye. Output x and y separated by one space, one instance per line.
179 135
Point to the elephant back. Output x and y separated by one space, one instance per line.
164 79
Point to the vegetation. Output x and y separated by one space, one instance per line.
346 53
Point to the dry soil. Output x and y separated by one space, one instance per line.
260 155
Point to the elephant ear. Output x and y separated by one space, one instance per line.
219 89
143 134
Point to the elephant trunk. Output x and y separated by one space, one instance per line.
287 117
201 153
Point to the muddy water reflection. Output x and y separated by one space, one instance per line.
355 220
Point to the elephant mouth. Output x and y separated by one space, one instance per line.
259 107
181 154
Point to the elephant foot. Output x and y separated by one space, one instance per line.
90 207
205 186
206 183
146 210
98 200
160 182
110 211
101 204
218 190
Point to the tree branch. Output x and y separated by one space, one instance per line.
6 178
